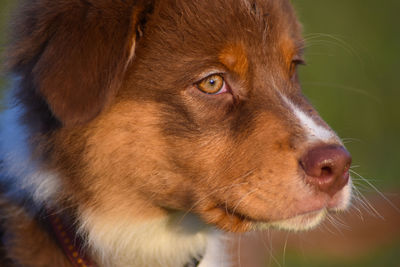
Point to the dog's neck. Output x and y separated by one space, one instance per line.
67 238
173 240
75 250
167 241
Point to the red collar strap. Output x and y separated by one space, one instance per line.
69 241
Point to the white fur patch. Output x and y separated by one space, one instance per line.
216 254
167 242
21 171
301 222
344 197
315 131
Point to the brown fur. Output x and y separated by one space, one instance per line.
36 248
234 57
110 100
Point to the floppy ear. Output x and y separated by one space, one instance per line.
77 51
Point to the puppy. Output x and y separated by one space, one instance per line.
138 131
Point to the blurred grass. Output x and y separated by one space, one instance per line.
383 257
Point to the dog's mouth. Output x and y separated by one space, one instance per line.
300 222
238 222
229 219
233 220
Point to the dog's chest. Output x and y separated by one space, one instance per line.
154 243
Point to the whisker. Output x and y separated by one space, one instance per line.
208 195
362 180
336 40
340 222
327 228
362 187
272 258
351 140
284 249
335 224
348 88
366 204
266 246
352 206
378 191
243 198
239 250
355 166
358 200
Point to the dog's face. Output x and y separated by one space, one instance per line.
208 118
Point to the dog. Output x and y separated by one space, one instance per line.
139 132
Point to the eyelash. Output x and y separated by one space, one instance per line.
294 64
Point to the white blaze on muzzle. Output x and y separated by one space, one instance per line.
314 131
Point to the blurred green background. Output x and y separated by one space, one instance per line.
5 7
353 78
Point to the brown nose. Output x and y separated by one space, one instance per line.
327 167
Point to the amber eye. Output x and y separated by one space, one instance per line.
212 85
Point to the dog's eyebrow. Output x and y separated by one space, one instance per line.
234 57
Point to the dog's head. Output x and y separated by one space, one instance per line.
181 105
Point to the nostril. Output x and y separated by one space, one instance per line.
326 171
327 167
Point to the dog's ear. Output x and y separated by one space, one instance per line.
76 52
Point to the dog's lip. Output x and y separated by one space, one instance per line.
307 208
301 219
242 216
301 222
249 218
310 214
330 206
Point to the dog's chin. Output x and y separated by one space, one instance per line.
237 223
310 220
231 221
302 222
